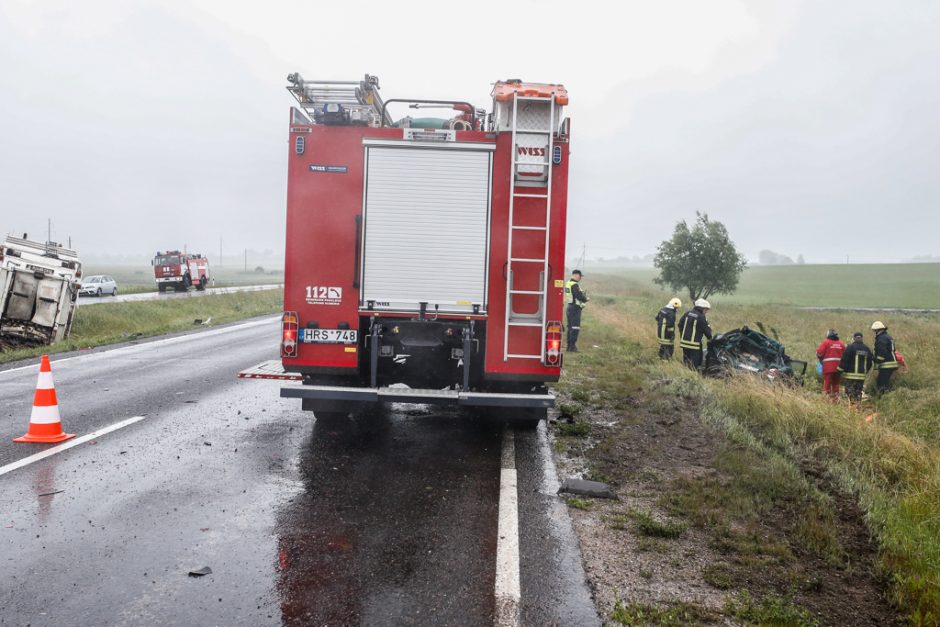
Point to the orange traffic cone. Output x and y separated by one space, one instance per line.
44 422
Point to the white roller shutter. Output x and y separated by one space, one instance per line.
426 228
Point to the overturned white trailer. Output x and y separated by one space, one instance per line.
39 286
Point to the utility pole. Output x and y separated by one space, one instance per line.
583 253
49 231
246 260
220 251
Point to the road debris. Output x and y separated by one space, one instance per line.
583 487
205 570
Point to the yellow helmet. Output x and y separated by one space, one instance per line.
878 325
675 303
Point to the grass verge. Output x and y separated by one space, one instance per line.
786 447
119 322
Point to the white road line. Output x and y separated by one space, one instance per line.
550 484
146 345
508 590
26 461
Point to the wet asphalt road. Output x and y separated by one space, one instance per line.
387 519
192 293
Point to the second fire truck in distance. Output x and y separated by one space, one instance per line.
180 270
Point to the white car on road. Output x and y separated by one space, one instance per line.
98 285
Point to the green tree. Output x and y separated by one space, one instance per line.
701 259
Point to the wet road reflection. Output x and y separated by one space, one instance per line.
396 523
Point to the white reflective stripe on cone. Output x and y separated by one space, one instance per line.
45 415
45 381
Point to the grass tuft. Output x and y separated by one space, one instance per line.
642 614
577 503
769 610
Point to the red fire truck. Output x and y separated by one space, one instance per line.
180 270
426 252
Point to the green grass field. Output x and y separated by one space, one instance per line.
915 285
136 279
886 454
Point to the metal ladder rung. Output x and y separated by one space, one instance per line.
524 324
519 195
538 131
534 98
543 164
528 228
522 260
511 356
532 292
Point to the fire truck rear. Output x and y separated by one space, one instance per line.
180 270
425 257
39 286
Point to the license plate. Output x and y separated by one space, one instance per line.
329 336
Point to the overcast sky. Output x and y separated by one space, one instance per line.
806 127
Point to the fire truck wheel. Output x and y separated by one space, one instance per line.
202 285
161 288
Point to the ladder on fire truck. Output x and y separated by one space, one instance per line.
543 195
360 98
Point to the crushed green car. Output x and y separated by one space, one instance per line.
751 351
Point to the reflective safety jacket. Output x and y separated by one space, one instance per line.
830 352
885 352
692 328
666 325
856 361
574 295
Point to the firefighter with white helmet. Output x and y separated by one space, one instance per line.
886 360
693 330
666 328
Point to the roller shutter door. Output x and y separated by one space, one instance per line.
426 228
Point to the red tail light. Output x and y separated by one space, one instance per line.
289 330
553 343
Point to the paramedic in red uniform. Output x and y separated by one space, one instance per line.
830 354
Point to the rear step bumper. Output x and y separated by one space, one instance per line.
417 395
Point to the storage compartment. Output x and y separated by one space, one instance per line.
427 212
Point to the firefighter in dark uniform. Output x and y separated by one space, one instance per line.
693 327
886 359
855 363
576 299
666 328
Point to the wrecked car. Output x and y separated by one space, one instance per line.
751 351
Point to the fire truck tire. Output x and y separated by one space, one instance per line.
161 287
202 285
